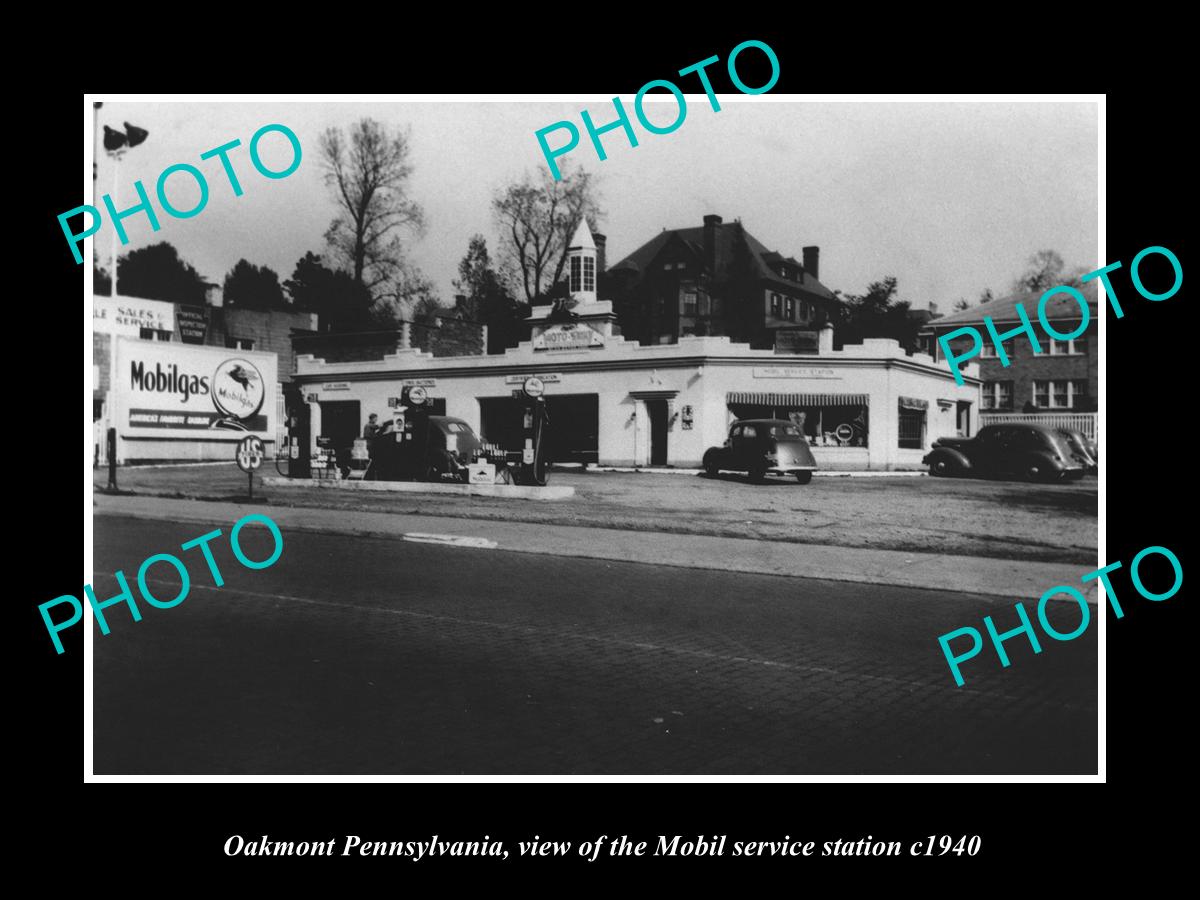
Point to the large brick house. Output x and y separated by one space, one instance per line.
717 279
1062 378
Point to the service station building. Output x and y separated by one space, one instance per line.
616 402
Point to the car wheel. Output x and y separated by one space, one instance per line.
804 477
758 474
432 474
711 469
941 468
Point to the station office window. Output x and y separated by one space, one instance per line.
576 274
775 302
589 274
236 343
789 309
912 424
154 334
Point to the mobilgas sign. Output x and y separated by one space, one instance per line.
202 392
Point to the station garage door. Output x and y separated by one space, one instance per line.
572 435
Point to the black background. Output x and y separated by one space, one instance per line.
1147 456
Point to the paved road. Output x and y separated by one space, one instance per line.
359 655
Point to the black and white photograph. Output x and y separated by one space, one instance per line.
476 436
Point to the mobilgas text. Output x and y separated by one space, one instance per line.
1026 327
145 206
126 595
622 120
168 381
1026 627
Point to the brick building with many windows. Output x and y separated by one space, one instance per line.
1062 378
718 279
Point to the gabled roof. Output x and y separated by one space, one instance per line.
641 258
1004 309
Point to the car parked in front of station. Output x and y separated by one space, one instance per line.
444 446
1084 447
761 446
1020 450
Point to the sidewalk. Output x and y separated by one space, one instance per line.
1006 580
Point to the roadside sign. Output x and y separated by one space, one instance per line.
482 473
250 453
844 432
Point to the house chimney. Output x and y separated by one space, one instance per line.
601 260
712 243
825 335
812 256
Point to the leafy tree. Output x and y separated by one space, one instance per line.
368 171
987 296
341 303
1045 270
253 287
876 314
488 300
101 278
960 304
157 272
537 217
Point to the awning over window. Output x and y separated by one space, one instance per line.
757 399
913 403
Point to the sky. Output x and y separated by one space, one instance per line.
951 198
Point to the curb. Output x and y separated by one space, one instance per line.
514 491
635 470
1002 581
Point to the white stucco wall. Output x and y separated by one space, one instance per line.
699 371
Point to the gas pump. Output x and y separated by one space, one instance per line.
534 465
411 420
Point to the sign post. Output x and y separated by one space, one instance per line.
250 453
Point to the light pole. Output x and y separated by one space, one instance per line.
115 144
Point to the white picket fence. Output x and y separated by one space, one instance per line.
1084 422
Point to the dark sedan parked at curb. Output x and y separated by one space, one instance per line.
759 446
1021 450
1084 447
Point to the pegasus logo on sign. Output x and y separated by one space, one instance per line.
238 389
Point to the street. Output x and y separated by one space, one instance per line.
958 516
357 655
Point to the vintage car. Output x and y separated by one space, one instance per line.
450 445
759 446
1035 452
1084 447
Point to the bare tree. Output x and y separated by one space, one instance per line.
537 216
368 172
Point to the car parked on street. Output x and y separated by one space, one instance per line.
759 446
1020 450
1084 447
